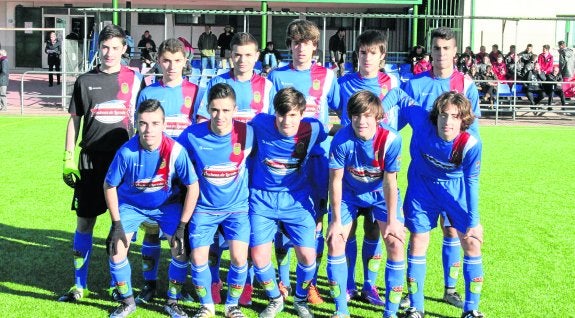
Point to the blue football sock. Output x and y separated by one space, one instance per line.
451 256
371 258
283 249
236 279
473 275
177 274
150 259
82 252
121 273
394 274
304 275
201 277
319 247
337 276
351 256
267 277
416 268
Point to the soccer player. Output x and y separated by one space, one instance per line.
140 186
443 176
177 96
319 86
219 149
425 89
103 100
280 192
364 160
371 51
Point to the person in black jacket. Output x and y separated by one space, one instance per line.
337 49
270 56
556 88
536 75
53 49
224 43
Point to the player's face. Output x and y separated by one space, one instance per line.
150 128
449 123
172 65
222 112
442 53
369 59
111 51
288 124
244 58
302 52
364 125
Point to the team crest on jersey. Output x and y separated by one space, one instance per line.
163 164
125 88
188 102
237 149
384 90
221 174
316 84
257 97
300 148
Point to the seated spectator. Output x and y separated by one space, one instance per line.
476 77
499 68
148 56
415 55
512 63
556 88
146 39
469 52
270 56
489 88
527 55
479 56
494 53
464 63
545 60
482 66
534 87
422 65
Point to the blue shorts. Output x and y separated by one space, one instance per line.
168 216
374 202
203 226
294 209
425 199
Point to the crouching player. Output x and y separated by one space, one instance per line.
280 192
139 186
443 175
364 160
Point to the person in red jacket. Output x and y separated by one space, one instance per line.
422 65
546 60
499 68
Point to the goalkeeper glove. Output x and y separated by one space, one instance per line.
178 239
116 235
70 173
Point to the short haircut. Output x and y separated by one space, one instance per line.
270 43
371 38
561 43
364 101
458 100
150 106
221 91
300 31
243 38
529 45
547 47
111 31
512 46
173 46
495 46
443 33
288 99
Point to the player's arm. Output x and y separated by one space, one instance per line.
70 172
111 195
117 233
394 227
335 195
471 168
190 201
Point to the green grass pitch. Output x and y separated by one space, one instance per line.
526 205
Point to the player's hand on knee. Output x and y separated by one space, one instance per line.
70 173
116 235
394 228
475 232
178 239
336 232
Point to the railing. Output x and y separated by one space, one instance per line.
62 95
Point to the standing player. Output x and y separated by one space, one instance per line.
105 99
443 177
140 186
364 160
371 50
280 192
425 89
219 149
319 86
177 96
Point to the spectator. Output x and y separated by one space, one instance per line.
422 65
53 49
4 73
567 68
556 88
512 63
224 45
499 68
129 45
475 76
545 60
465 63
494 53
482 66
415 55
207 44
536 75
527 55
469 52
270 56
149 54
479 56
489 88
142 44
337 49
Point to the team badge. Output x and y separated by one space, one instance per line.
476 285
125 88
79 260
315 85
300 148
163 164
188 102
237 148
395 294
334 289
122 287
257 97
236 290
201 291
269 285
374 263
412 285
305 284
384 90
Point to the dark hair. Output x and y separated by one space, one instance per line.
111 31
443 32
340 29
458 100
300 31
561 43
364 101
371 38
547 47
221 91
243 38
173 46
288 99
150 106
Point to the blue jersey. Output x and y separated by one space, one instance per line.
318 85
279 164
380 85
252 97
220 163
177 101
436 160
145 178
365 161
426 87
